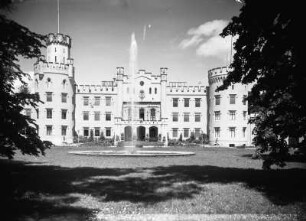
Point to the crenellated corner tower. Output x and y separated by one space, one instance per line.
55 84
227 111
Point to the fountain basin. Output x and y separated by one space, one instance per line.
136 153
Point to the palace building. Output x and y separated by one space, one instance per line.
160 109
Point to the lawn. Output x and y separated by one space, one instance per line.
223 183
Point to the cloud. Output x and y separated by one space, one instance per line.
210 28
215 47
194 40
207 41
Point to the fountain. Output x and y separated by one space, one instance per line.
131 151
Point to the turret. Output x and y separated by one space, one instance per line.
55 85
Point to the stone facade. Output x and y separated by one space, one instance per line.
228 111
161 109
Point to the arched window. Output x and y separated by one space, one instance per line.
49 82
150 90
64 84
155 90
153 114
141 113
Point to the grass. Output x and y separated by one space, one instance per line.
62 186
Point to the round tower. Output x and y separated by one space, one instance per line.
227 111
54 82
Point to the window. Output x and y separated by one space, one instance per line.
197 117
85 115
217 132
64 98
153 114
174 132
85 101
97 131
232 98
175 117
108 116
141 83
186 132
37 112
97 101
49 96
175 102
243 131
244 100
64 83
217 100
64 130
64 114
198 102
186 102
141 114
155 90
108 101
28 112
150 90
108 131
55 59
49 130
217 115
85 131
49 113
197 132
233 87
232 114
97 115
48 82
232 132
244 115
130 113
186 117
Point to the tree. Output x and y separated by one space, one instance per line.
269 55
17 131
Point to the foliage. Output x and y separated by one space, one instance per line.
181 137
269 56
102 137
17 131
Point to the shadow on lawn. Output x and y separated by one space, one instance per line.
44 191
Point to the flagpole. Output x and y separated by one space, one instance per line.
58 12
230 60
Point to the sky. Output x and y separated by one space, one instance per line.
182 35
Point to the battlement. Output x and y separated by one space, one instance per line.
218 71
217 75
177 84
42 66
57 38
104 87
182 87
163 70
